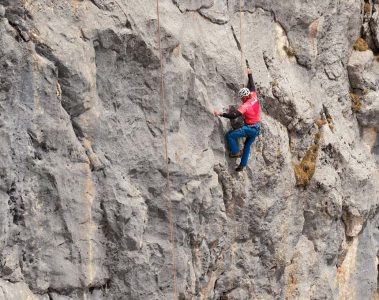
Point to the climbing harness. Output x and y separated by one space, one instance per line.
167 186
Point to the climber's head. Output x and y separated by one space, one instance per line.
244 94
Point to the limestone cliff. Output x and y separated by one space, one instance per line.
83 206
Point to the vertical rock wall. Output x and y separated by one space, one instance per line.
83 206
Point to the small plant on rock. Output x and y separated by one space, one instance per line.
356 102
321 122
289 50
360 45
305 170
274 83
367 8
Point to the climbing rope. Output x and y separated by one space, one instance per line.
123 11
241 37
167 186
259 138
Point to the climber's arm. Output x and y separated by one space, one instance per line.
230 115
250 83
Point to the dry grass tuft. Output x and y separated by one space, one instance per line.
321 122
356 102
290 51
331 123
317 138
274 83
367 8
305 170
360 45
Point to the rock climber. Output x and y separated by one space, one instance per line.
250 110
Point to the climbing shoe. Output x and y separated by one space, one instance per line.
238 154
239 169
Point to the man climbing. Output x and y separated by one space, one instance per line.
250 110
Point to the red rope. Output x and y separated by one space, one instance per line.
167 187
241 41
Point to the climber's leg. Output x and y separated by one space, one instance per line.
232 138
252 133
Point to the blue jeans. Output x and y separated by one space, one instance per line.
250 133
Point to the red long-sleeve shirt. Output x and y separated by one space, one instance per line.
250 109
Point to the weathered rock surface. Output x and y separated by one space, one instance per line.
84 208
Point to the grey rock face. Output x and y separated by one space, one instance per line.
359 67
85 210
363 69
374 26
2 11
